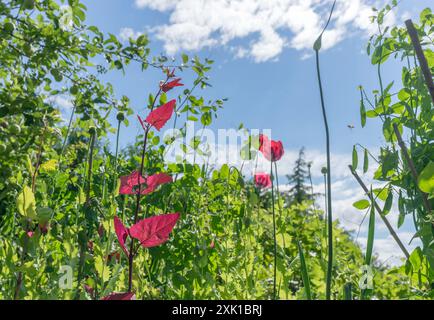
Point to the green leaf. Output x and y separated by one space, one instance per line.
426 178
102 269
206 119
415 259
304 272
355 158
26 204
388 203
50 165
184 58
361 204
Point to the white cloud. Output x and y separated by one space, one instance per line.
126 33
272 24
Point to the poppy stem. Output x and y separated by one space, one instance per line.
274 232
329 188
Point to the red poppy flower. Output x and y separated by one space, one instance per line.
170 85
121 233
161 115
129 182
272 150
262 180
155 230
120 296
30 234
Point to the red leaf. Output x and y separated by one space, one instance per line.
154 231
121 233
156 180
120 296
170 85
161 115
129 182
141 122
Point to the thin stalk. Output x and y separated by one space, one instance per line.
67 131
278 203
139 193
88 187
304 272
317 47
412 32
116 153
412 167
274 232
380 212
329 187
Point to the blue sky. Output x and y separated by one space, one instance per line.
264 65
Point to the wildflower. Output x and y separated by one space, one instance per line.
272 150
262 180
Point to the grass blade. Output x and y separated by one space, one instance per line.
304 272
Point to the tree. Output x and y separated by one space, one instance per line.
299 179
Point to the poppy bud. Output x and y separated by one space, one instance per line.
92 130
120 116
323 170
212 244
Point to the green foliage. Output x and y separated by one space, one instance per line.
407 105
59 186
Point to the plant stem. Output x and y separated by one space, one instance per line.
412 167
88 187
67 131
116 152
278 203
329 187
412 32
380 212
139 193
274 232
